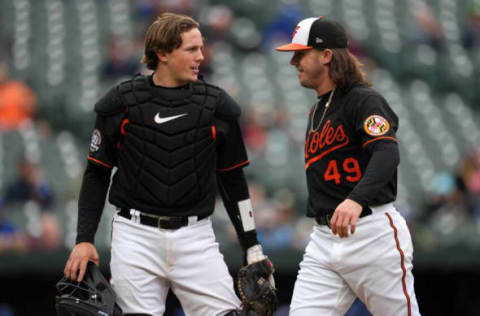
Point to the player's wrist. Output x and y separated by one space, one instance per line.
255 254
357 200
356 203
81 238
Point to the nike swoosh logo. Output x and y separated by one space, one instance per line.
161 120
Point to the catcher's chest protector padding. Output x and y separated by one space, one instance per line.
168 153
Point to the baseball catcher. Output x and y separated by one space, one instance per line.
172 141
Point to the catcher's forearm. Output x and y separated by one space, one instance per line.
234 191
94 189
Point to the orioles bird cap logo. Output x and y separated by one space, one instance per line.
295 31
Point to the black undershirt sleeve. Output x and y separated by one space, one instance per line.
380 169
233 188
93 192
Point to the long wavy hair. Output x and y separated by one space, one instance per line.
345 69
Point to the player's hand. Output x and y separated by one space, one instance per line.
255 254
346 214
77 262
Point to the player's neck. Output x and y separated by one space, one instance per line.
324 87
162 78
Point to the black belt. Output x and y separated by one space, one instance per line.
325 219
165 222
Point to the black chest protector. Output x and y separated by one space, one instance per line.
167 160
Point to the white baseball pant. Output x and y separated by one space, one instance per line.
374 264
147 261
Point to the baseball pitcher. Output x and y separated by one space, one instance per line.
360 245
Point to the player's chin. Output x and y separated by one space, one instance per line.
305 84
193 77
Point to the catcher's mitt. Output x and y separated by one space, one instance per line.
256 291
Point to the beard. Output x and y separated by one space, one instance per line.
310 81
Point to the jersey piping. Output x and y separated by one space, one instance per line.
379 138
234 167
99 162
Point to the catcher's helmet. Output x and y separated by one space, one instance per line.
92 296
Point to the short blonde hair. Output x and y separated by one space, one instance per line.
164 35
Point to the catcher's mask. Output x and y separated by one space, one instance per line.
92 296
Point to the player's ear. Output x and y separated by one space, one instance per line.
162 56
326 56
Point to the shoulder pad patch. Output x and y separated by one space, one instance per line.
202 87
228 108
199 87
110 103
203 91
135 91
376 125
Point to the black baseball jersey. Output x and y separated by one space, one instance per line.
338 147
168 145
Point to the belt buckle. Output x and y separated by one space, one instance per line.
160 219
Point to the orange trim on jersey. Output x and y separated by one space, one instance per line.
122 127
379 138
234 167
214 133
99 162
316 158
402 263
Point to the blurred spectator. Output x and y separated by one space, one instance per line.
254 133
28 186
303 228
5 46
218 21
471 36
469 170
17 101
187 7
31 189
121 60
279 30
469 180
275 230
427 29
11 239
445 196
148 10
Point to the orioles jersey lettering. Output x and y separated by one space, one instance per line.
319 143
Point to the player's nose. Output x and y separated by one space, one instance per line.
200 57
294 60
